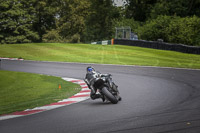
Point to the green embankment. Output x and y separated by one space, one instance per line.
20 91
87 53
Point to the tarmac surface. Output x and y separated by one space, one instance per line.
154 100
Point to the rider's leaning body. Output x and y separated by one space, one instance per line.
90 77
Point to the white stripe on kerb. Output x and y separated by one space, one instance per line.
47 107
9 116
84 93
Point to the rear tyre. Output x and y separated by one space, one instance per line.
109 96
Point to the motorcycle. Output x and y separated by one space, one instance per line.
106 87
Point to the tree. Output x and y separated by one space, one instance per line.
184 30
139 10
172 29
16 23
180 8
45 15
71 18
193 8
99 23
155 28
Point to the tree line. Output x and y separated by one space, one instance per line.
174 21
24 21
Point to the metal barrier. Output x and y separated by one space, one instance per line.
106 42
159 45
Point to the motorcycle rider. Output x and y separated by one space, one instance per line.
90 79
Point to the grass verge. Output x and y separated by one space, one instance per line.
20 91
87 53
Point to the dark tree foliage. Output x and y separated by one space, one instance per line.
23 21
174 21
16 22
99 23
26 21
139 9
72 17
44 12
172 29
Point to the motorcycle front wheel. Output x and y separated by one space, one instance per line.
109 96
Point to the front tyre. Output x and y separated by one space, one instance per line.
109 96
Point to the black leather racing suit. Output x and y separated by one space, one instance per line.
89 79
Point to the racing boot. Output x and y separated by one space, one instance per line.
95 96
103 98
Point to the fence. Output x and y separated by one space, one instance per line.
106 42
159 45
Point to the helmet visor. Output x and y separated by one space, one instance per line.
90 69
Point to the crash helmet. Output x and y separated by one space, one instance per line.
90 69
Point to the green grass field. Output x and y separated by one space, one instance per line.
87 53
20 91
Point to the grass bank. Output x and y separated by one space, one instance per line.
19 91
87 53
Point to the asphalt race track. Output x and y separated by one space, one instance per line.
154 100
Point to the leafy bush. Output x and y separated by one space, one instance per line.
172 29
154 29
184 30
75 38
52 36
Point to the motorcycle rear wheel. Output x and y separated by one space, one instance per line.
109 96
